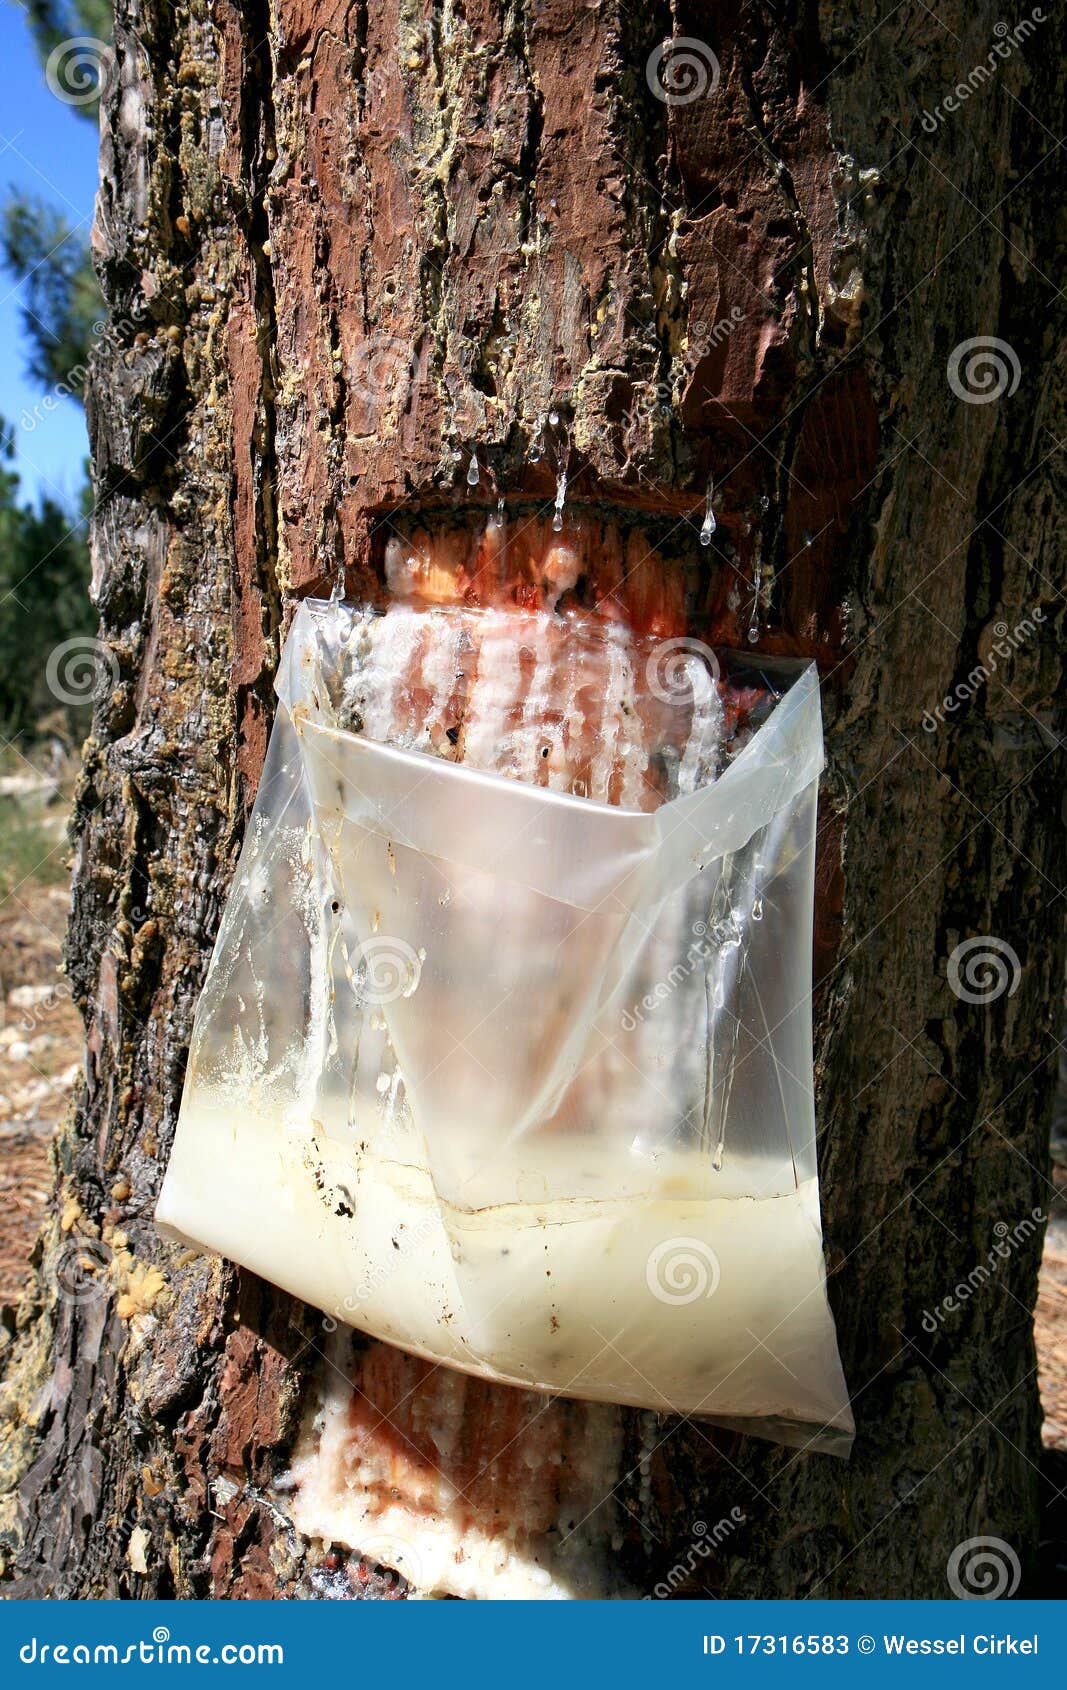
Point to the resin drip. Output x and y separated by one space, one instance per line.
553 696
561 486
709 524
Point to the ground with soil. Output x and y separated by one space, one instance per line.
40 1058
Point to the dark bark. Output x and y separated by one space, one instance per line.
495 193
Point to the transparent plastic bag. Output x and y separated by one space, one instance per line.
507 1060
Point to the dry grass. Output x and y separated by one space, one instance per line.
40 1030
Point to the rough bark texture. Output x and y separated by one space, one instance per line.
491 198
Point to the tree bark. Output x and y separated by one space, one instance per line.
765 283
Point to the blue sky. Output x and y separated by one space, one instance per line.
46 149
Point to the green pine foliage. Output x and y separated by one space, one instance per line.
38 245
44 602
63 303
44 554
52 22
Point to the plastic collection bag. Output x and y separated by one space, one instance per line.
504 1052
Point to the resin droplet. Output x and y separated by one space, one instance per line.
709 525
474 474
562 462
757 587
561 496
757 910
553 417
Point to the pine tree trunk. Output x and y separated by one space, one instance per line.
339 243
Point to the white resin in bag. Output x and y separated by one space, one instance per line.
504 1052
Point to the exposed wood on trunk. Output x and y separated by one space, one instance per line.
367 239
